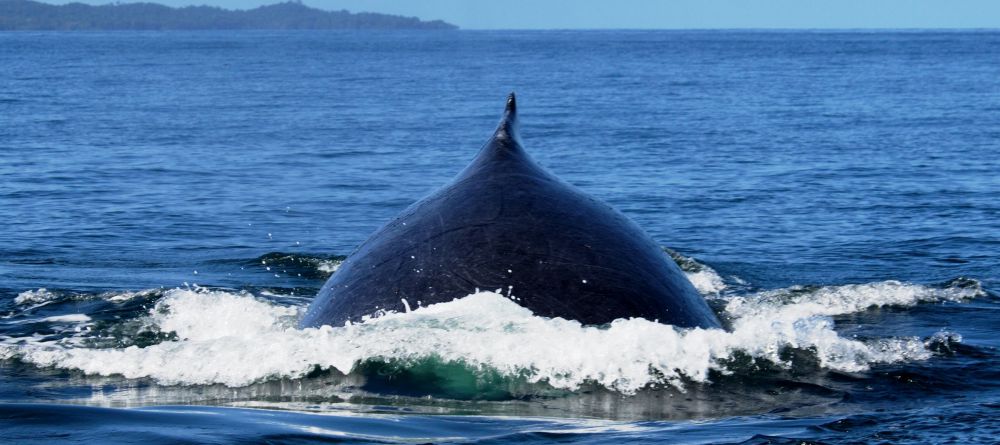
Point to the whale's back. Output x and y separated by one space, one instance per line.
506 223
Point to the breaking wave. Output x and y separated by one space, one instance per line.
43 296
203 336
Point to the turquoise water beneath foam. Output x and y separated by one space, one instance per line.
793 162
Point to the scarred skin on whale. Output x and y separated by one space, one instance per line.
507 223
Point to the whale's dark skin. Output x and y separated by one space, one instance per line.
506 221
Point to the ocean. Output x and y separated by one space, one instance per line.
172 201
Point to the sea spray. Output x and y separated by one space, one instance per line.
236 339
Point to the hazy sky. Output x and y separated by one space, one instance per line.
663 14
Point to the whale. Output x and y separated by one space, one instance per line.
506 223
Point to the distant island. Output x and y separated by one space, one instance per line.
27 15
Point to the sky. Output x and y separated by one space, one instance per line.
661 14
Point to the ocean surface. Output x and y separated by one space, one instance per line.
171 202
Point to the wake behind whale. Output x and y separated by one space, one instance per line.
506 223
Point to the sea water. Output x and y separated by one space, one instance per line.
172 201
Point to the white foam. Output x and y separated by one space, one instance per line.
837 300
707 281
122 296
328 266
69 318
42 296
35 297
236 339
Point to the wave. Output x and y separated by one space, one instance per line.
203 337
40 297
306 266
703 277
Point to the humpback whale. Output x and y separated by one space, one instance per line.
505 222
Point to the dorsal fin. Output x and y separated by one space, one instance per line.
508 124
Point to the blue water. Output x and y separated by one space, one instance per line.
790 164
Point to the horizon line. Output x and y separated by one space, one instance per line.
312 5
757 29
748 28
